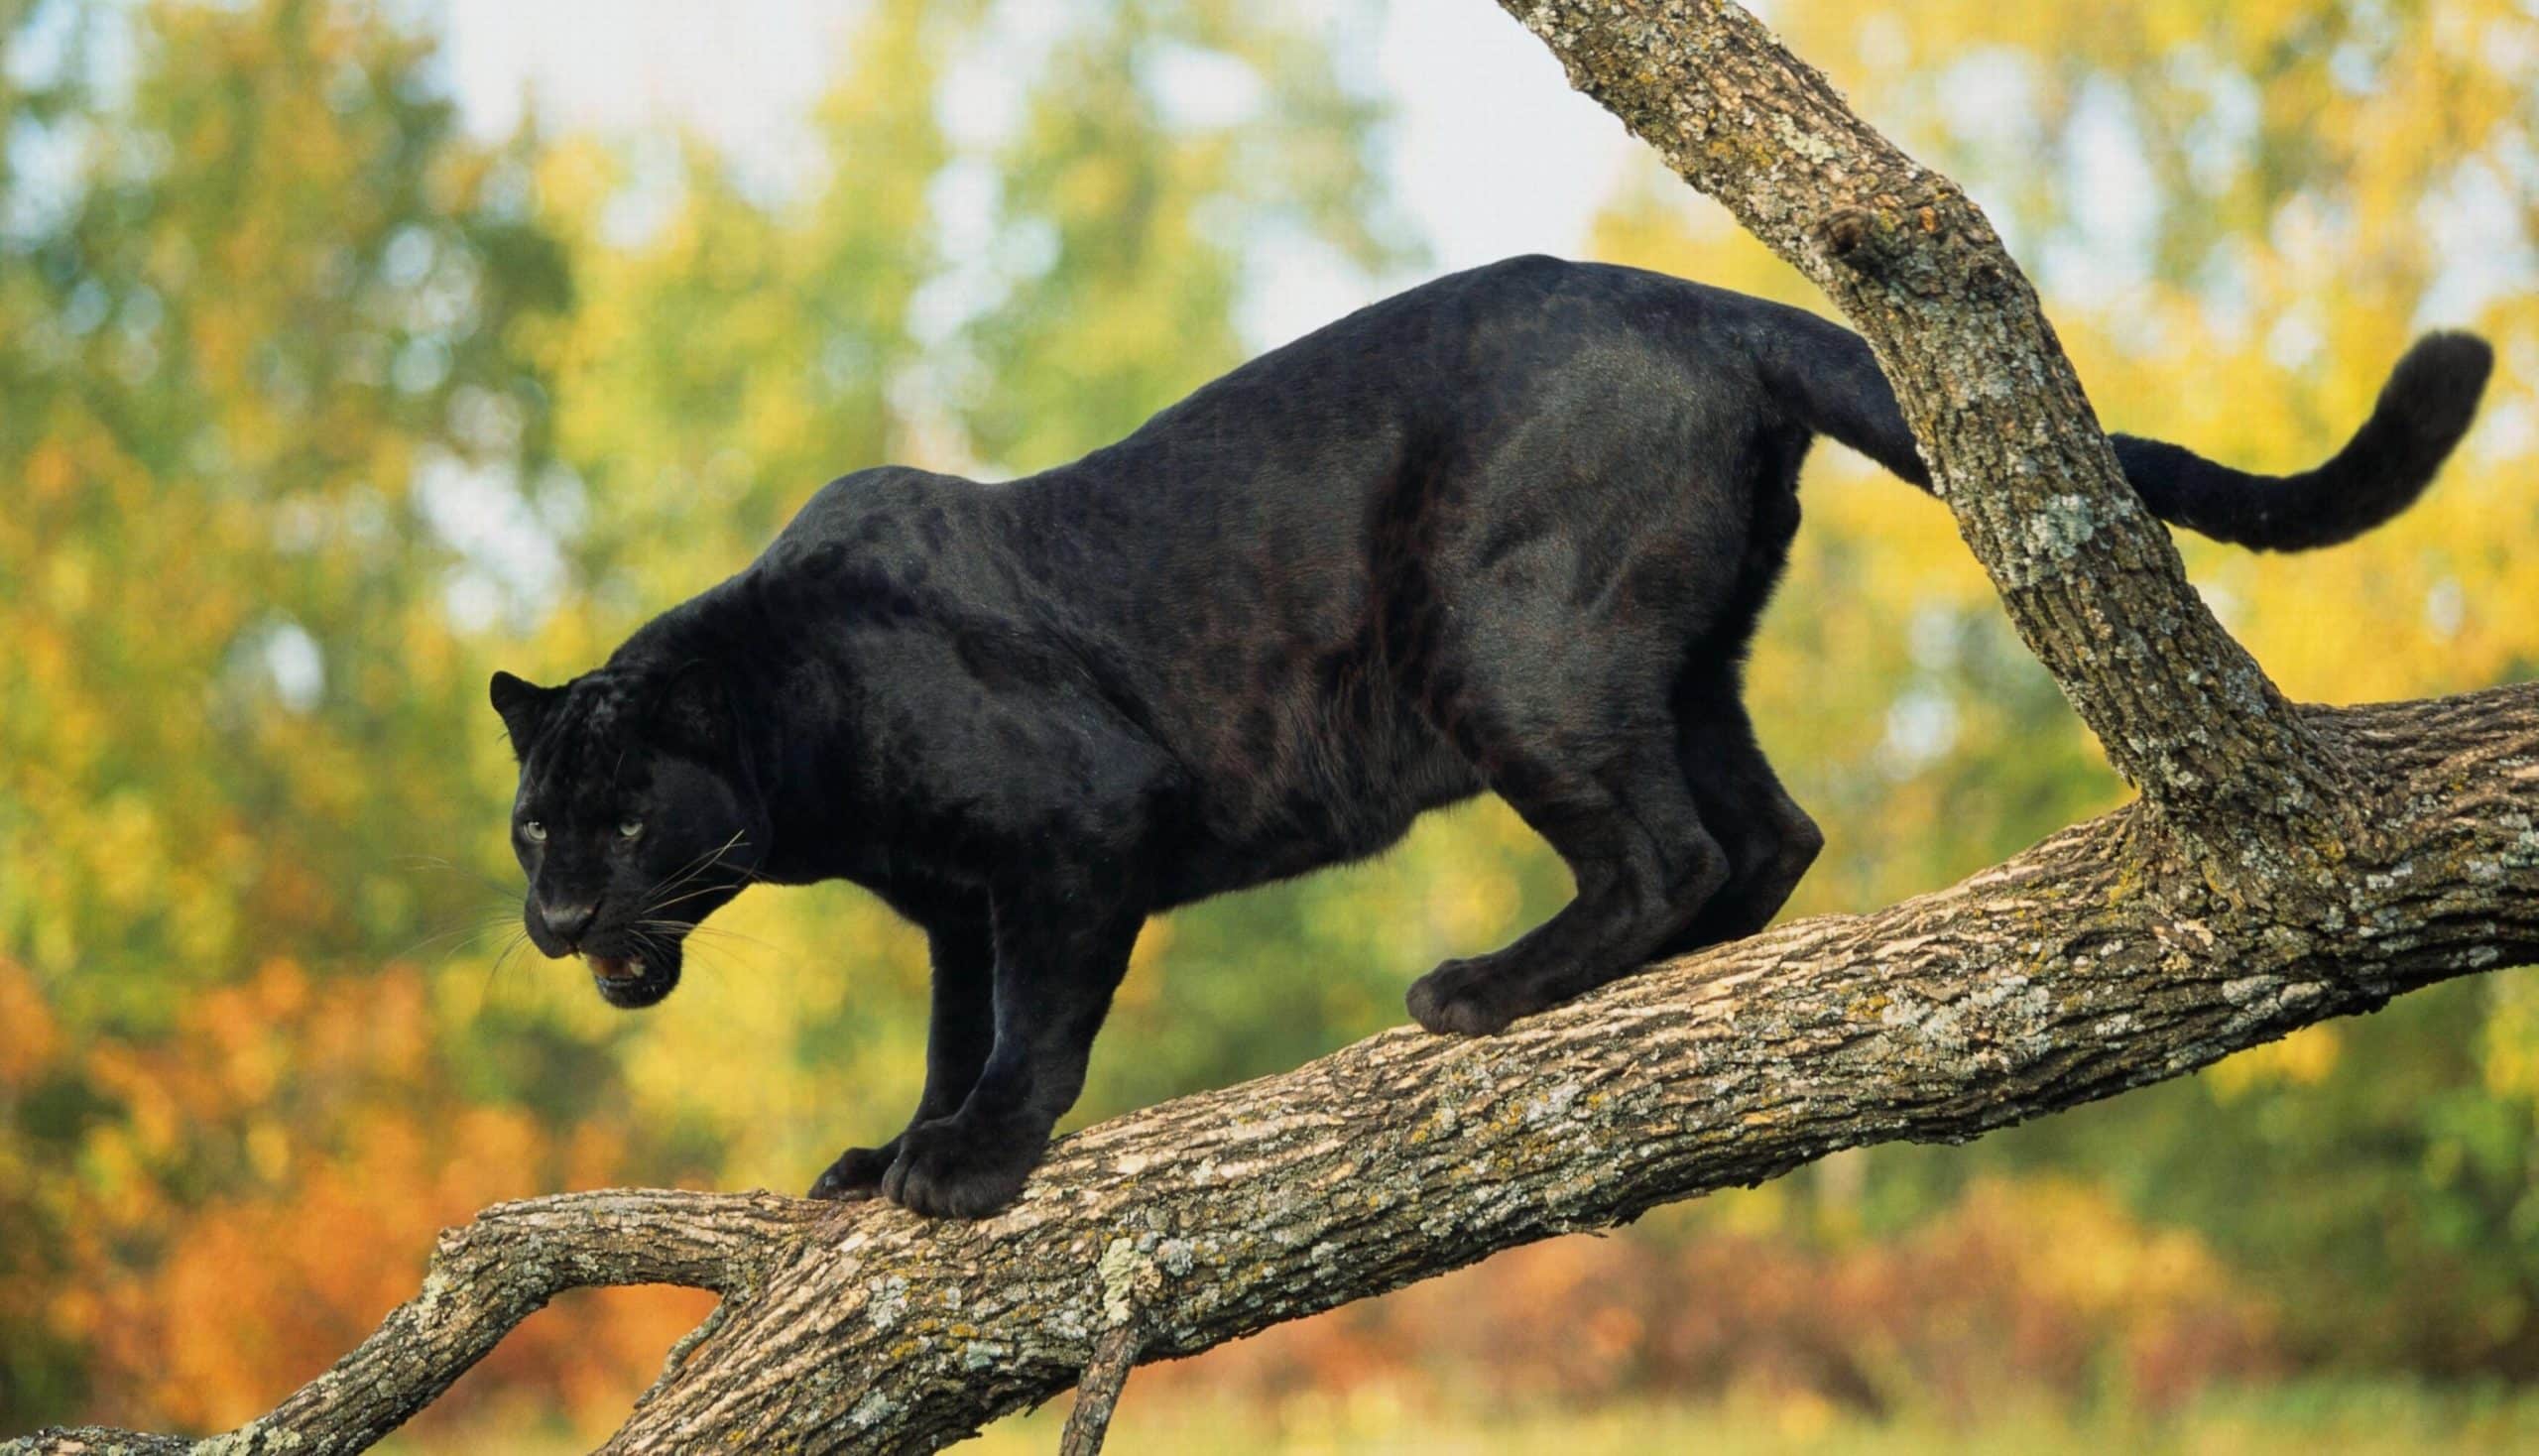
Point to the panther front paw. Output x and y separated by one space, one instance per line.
1476 997
954 1168
857 1174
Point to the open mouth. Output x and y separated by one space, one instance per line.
630 981
614 970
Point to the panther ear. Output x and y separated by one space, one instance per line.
692 714
524 708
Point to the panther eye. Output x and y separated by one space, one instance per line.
533 831
630 828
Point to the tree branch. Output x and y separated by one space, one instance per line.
1098 1392
2090 579
483 1280
2102 960
2067 974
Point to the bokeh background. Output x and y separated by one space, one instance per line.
349 351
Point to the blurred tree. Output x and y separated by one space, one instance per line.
253 328
1163 142
1016 210
256 297
320 410
2238 215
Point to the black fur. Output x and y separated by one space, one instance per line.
1509 531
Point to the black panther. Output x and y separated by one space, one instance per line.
1509 531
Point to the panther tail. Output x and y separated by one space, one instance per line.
1835 388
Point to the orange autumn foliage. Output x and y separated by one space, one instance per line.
2024 1291
269 1187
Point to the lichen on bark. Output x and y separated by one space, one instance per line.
2284 865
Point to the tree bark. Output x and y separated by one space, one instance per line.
2284 865
2090 579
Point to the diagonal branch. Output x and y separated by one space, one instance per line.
485 1278
2067 974
2094 962
2090 579
2064 975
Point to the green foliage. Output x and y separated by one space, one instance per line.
2314 169
237 337
2301 1420
318 410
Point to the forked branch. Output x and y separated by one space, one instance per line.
2244 899
2066 974
2091 581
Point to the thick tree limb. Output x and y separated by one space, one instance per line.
2286 866
2090 578
2067 974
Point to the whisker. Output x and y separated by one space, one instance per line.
449 866
694 867
459 937
485 993
712 956
703 889
683 899
653 947
693 928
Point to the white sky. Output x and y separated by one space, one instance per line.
1491 153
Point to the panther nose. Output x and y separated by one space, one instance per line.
568 922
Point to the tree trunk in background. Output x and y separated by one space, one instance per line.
2283 865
